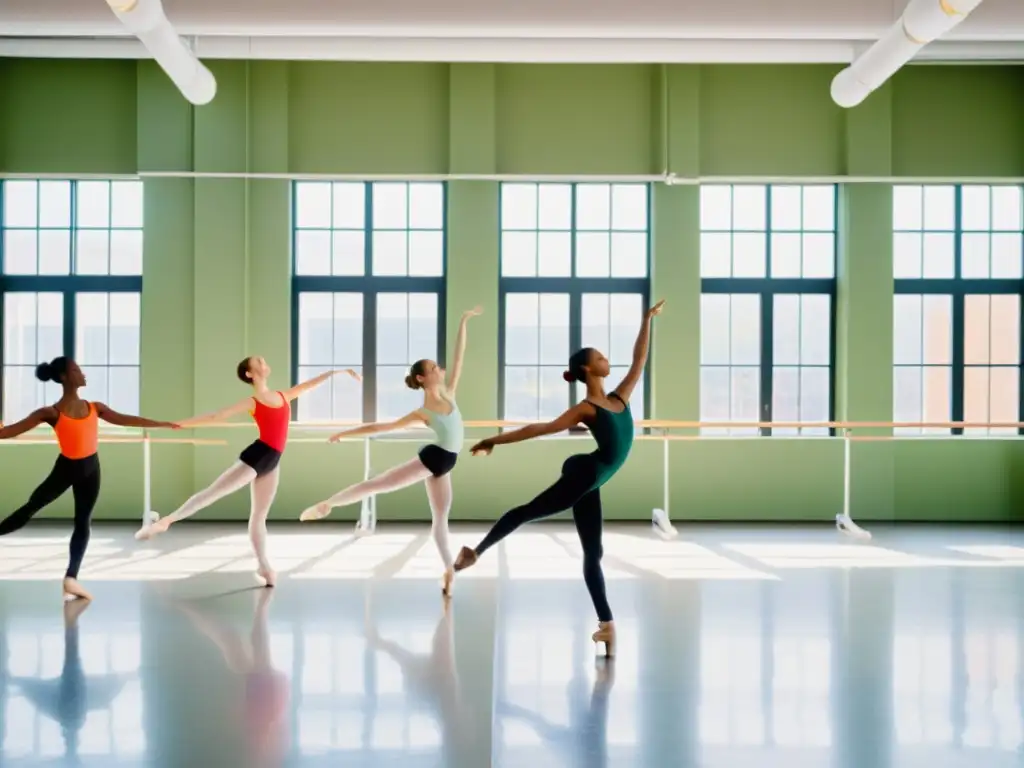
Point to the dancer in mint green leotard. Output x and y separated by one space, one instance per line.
611 423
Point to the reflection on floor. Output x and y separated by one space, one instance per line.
770 647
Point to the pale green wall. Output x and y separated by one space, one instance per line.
216 284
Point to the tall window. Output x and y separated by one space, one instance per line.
768 256
71 285
574 273
368 292
957 267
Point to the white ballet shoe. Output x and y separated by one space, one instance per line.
662 525
154 528
845 524
316 512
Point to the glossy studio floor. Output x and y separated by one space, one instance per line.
738 646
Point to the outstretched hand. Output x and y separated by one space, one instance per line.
351 372
483 448
656 309
474 312
336 437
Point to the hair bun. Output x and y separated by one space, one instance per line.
44 372
411 382
568 377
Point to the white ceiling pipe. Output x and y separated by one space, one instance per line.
922 22
146 20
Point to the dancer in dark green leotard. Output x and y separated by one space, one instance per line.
611 423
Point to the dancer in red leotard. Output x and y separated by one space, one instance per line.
257 465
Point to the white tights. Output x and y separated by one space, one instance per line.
262 490
439 494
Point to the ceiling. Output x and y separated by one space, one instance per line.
561 30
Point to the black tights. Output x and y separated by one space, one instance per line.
572 489
82 476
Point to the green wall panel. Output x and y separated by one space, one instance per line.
769 120
65 116
368 118
217 266
575 118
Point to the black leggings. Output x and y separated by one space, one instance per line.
82 476
572 489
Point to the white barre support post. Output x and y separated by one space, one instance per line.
844 523
148 515
660 519
367 523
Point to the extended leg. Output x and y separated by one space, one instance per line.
86 490
263 490
586 513
439 494
235 477
58 481
558 498
394 479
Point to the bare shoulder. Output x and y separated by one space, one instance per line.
47 414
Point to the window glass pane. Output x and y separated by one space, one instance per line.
348 253
976 328
786 255
553 329
313 252
1005 329
714 329
20 256
715 255
392 329
123 388
592 254
745 393
593 206
93 204
940 208
627 313
937 396
907 208
716 207
522 327
748 207
348 206
126 210
714 394
518 254
938 256
974 259
976 393
125 252
518 206
426 206
92 321
1006 209
907 255
389 253
1006 256
554 203
786 333
1004 398
313 204
819 255
315 405
907 395
21 201
55 252
974 208
819 207
315 329
629 254
522 393
330 337
125 317
629 207
786 208
748 255
814 394
938 330
785 397
92 253
815 327
426 254
390 209
745 330
54 204
422 327
554 253
907 330
347 330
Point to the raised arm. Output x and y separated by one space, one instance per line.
111 416
460 349
33 420
315 382
216 416
640 349
567 420
381 426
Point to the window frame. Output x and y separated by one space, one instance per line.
574 287
958 288
767 288
69 285
370 286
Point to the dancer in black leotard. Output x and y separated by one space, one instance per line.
611 423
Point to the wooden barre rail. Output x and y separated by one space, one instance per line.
667 424
128 440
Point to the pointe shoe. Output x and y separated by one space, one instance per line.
446 582
73 590
268 575
316 512
155 528
605 634
466 558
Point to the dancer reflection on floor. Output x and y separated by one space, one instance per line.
611 423
257 466
433 678
585 740
76 424
267 691
434 463
68 699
